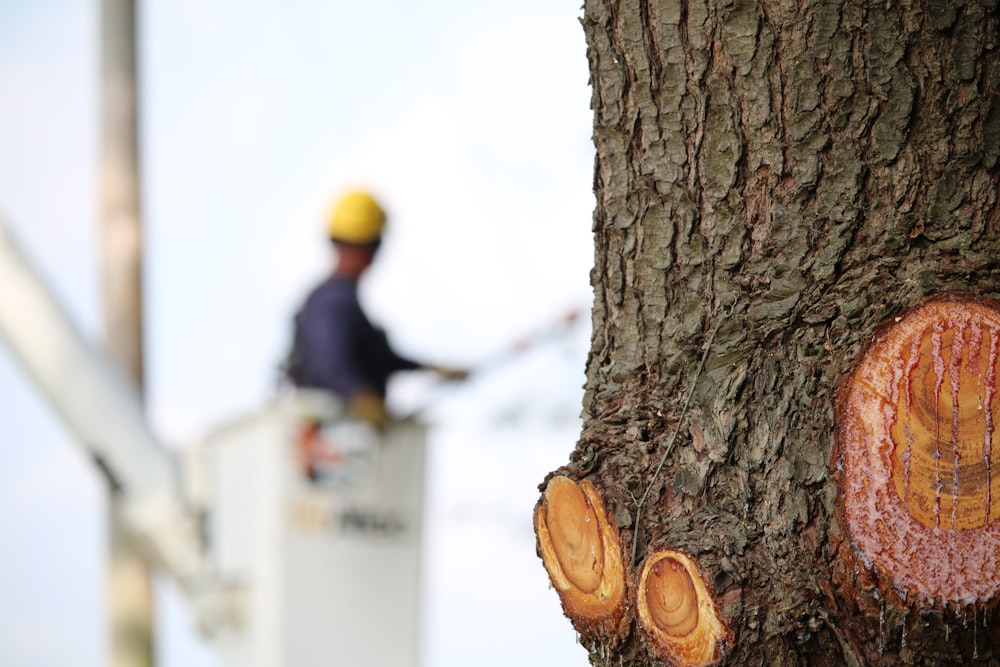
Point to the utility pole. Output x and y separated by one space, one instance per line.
129 578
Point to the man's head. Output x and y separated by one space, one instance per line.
357 218
355 227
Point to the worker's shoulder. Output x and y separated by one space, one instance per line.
334 292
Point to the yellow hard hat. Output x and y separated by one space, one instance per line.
356 218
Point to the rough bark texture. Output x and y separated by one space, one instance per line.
773 180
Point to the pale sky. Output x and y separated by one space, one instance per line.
472 124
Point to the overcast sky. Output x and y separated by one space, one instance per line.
472 125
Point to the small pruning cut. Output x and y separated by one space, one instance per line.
677 613
581 551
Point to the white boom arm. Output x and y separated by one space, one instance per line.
102 409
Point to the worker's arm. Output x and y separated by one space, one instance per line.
447 372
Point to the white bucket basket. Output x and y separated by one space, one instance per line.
331 563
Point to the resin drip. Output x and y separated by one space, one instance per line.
939 423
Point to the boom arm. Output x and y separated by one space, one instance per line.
102 409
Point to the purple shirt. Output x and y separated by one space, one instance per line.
339 349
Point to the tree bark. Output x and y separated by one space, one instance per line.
774 180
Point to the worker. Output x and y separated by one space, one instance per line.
336 347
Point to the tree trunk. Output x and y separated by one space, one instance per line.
774 180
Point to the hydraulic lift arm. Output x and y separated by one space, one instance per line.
101 407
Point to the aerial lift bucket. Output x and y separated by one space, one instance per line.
321 518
